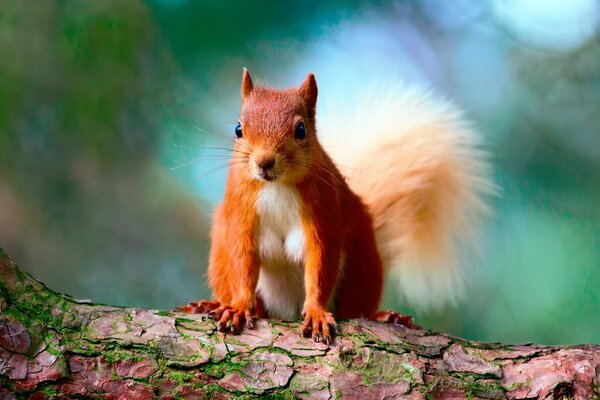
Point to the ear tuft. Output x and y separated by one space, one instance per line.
247 85
308 90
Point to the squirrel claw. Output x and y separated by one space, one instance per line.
200 307
306 332
319 324
392 317
232 319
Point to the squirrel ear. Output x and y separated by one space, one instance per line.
247 84
308 90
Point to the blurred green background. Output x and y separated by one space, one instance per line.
107 109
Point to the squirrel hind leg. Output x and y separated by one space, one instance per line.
361 274
392 317
200 307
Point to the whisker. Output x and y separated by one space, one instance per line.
321 168
325 170
211 157
325 181
217 148
186 164
223 149
243 145
337 178
231 109
233 140
205 131
210 171
218 135
233 151
214 170
315 175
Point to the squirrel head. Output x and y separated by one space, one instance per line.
276 131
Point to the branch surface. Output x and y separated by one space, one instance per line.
55 347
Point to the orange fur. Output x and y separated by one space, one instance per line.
334 220
298 213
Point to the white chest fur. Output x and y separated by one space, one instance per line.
281 246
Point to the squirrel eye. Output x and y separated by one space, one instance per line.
300 132
238 130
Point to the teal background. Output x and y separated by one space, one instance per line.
110 112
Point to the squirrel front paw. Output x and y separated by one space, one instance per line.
319 324
231 319
200 307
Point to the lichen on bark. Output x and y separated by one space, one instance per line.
55 347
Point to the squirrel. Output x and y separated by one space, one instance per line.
402 187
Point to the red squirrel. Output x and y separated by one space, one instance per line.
295 236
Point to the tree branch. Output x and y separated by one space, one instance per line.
53 346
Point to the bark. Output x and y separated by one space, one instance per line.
53 346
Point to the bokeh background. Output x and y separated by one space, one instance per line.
110 112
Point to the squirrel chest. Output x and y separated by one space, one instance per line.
281 248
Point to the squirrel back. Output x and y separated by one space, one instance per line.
416 162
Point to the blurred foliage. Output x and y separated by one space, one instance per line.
83 91
110 111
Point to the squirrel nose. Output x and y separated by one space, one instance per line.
266 163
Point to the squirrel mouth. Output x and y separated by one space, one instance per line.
267 175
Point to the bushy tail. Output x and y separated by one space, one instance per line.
417 164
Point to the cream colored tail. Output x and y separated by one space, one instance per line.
416 163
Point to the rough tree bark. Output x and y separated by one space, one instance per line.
53 346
